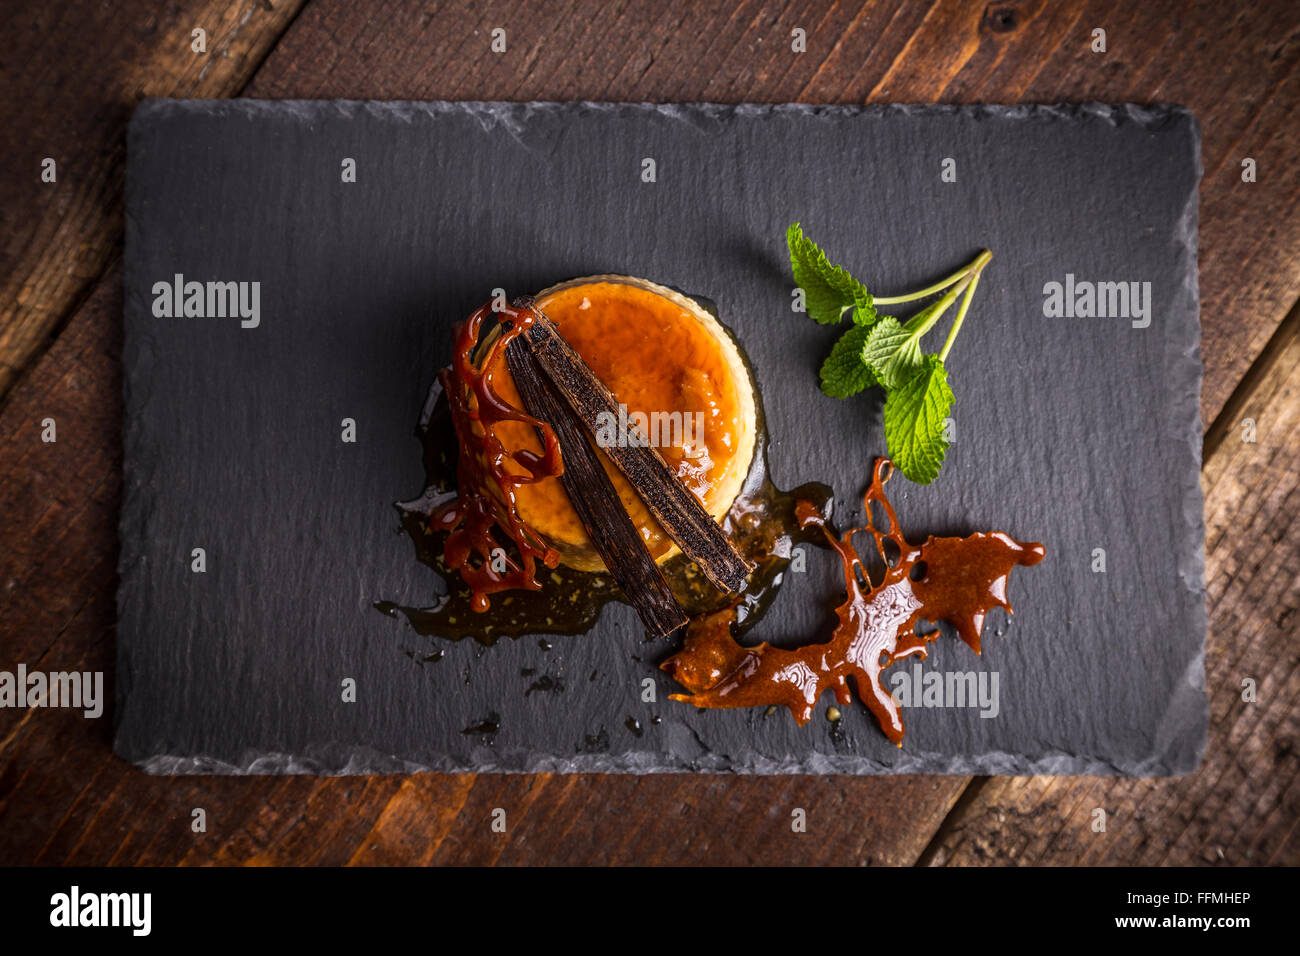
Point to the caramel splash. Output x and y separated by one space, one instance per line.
958 580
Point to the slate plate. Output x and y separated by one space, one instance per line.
1079 432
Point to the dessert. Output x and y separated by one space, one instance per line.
662 356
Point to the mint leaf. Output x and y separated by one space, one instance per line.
892 352
828 290
914 421
843 373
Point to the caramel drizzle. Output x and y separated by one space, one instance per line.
957 580
486 508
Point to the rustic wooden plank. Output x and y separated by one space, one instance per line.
64 797
1242 803
1270 364
72 73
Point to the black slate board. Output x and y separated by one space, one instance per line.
1081 433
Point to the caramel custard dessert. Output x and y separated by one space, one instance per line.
610 423
683 383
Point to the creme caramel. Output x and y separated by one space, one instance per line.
678 378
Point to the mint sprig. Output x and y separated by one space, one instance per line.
880 350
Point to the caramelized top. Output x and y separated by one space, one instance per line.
662 362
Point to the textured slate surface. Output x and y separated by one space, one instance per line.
1081 433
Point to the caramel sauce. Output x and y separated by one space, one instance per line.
958 580
489 475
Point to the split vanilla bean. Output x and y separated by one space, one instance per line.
594 498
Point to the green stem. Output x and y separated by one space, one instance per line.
961 317
923 321
978 263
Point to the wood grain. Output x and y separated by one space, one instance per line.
72 73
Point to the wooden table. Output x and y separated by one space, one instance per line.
72 73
